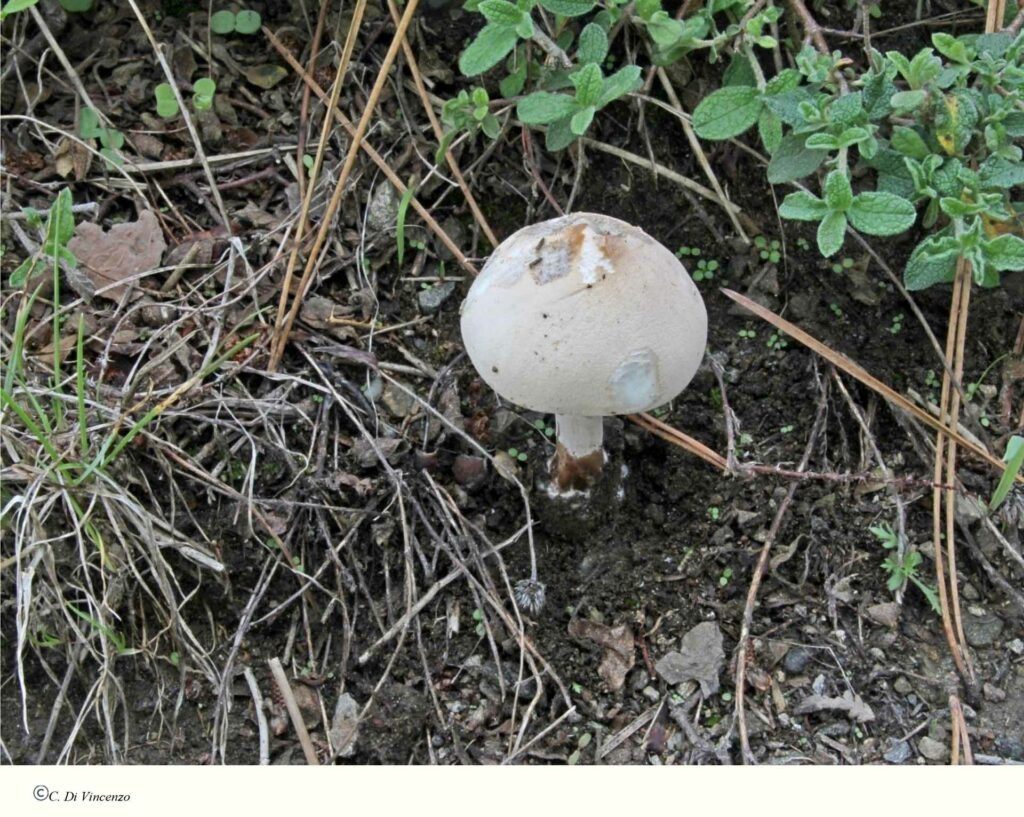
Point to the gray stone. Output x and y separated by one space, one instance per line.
982 630
993 693
796 660
902 686
1017 646
1011 748
899 752
430 299
397 401
933 750
887 613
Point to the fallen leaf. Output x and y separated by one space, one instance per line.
849 703
112 259
72 157
618 653
700 659
266 76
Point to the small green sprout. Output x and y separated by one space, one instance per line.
768 250
843 265
931 380
714 512
803 244
723 580
897 324
544 428
516 454
777 342
902 570
705 270
786 429
228 22
747 334
166 102
202 93
835 309
684 252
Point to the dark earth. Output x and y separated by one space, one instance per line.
626 577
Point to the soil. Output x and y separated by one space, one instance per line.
676 544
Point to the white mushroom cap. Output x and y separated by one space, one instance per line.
584 315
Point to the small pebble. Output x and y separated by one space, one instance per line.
982 628
993 693
933 749
651 694
796 660
898 753
430 300
902 686
1011 748
1017 646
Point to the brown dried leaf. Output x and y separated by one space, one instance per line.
111 259
851 704
618 652
72 157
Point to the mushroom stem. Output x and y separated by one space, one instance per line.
579 456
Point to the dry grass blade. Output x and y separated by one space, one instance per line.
283 331
684 441
840 361
293 711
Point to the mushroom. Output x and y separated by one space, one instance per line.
584 316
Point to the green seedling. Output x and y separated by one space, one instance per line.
516 454
746 334
901 571
835 309
770 251
802 243
714 512
403 208
544 428
723 579
202 93
166 101
705 270
931 379
843 265
111 140
786 429
684 252
229 22
14 6
897 324
777 342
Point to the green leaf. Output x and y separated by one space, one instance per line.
792 161
769 128
998 172
803 206
559 135
544 107
727 112
501 12
247 22
831 233
581 120
907 100
166 104
822 141
851 136
593 44
619 84
1005 253
489 48
222 22
881 213
60 224
403 208
786 105
512 85
847 109
568 8
666 31
838 193
88 123
933 261
739 71
204 86
950 47
908 142
588 83
1014 459
14 6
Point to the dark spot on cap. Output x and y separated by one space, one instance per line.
494 369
